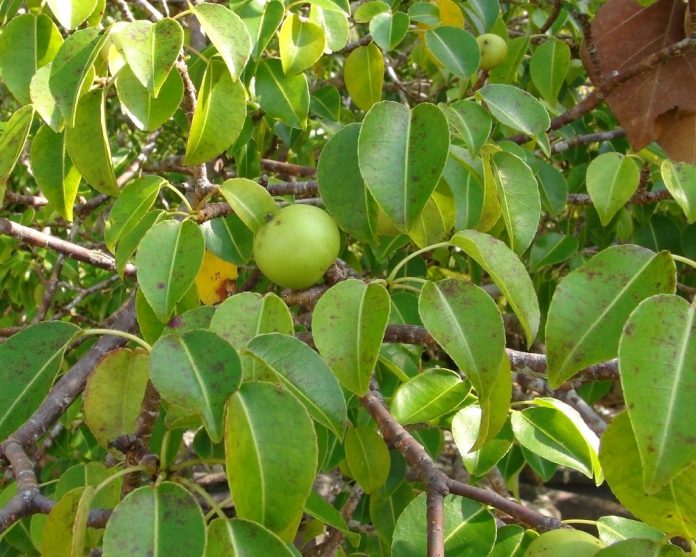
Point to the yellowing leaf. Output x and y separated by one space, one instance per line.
215 278
450 13
364 75
301 44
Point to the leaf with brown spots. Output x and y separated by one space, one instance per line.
658 104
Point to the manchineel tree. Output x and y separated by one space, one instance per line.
486 270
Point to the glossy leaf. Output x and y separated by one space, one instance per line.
368 457
334 24
551 249
518 193
229 239
71 69
262 20
114 393
455 49
428 396
402 154
512 541
657 355
321 509
640 548
348 324
42 99
30 360
342 187
14 136
515 108
71 13
151 49
243 538
54 172
65 529
507 272
197 371
251 202
548 68
388 30
261 418
168 259
228 34
302 371
301 44
470 121
611 181
466 322
159 519
469 528
613 529
680 179
591 305
92 158
218 117
363 73
671 509
128 243
481 14
283 97
466 430
27 43
435 222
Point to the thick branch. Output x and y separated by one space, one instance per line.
641 197
287 168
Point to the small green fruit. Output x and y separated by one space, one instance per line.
493 50
564 543
296 246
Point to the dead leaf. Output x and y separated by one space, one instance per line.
652 105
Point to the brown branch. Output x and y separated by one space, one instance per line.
287 168
27 200
435 517
330 546
74 251
351 46
596 137
553 16
641 197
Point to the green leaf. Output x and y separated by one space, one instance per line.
388 30
136 199
672 509
466 430
455 49
301 44
548 68
54 172
613 529
481 14
219 115
128 243
43 100
428 396
348 324
640 548
151 49
319 508
469 528
332 5
367 10
495 408
385 509
227 32
507 272
512 541
243 538
27 43
424 13
71 13
197 371
261 20
591 304
302 371
435 222
680 179
471 122
229 239
65 529
466 187
247 315
402 154
657 359
282 97
14 136
326 103
551 249
363 74
158 519
335 26
549 433
269 437
168 259
553 187
71 68
508 71
466 322
92 157
515 108
145 111
114 393
518 193
368 457
342 187
612 179
251 202
30 360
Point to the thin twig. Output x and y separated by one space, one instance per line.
584 139
289 169
553 16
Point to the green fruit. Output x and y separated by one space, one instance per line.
296 246
493 50
564 543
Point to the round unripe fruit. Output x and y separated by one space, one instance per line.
493 50
564 543
296 246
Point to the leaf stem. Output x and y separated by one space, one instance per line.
685 260
193 486
114 332
181 196
410 256
580 521
194 462
118 475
